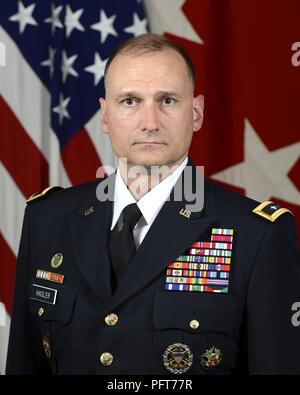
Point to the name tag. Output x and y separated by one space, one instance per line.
43 294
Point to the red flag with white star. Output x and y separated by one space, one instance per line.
249 73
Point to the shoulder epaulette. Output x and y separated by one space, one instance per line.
270 210
40 195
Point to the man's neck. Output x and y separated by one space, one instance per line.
141 179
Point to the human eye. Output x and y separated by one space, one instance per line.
129 101
168 100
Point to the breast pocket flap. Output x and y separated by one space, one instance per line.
52 303
194 312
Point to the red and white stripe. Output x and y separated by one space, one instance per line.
30 159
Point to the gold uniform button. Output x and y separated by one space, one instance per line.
106 359
194 324
111 319
41 311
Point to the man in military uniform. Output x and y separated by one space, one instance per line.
142 283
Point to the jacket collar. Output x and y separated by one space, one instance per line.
180 221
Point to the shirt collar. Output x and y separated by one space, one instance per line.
151 202
122 198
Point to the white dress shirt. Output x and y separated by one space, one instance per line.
150 204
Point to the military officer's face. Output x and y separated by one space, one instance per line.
149 111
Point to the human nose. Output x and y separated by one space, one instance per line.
149 118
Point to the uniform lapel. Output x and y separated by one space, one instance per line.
169 236
89 229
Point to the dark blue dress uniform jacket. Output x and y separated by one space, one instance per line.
251 325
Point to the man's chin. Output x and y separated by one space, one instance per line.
147 162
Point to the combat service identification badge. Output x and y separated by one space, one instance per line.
46 345
178 358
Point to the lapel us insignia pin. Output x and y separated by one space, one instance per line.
185 213
177 358
57 260
211 358
88 211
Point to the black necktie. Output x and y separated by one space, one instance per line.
122 245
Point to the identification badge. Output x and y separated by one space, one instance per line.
178 358
43 294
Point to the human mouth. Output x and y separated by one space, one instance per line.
149 143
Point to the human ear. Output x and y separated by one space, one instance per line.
103 115
198 109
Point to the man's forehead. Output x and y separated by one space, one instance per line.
146 68
166 55
164 58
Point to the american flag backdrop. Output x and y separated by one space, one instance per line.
247 55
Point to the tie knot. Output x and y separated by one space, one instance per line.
131 215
